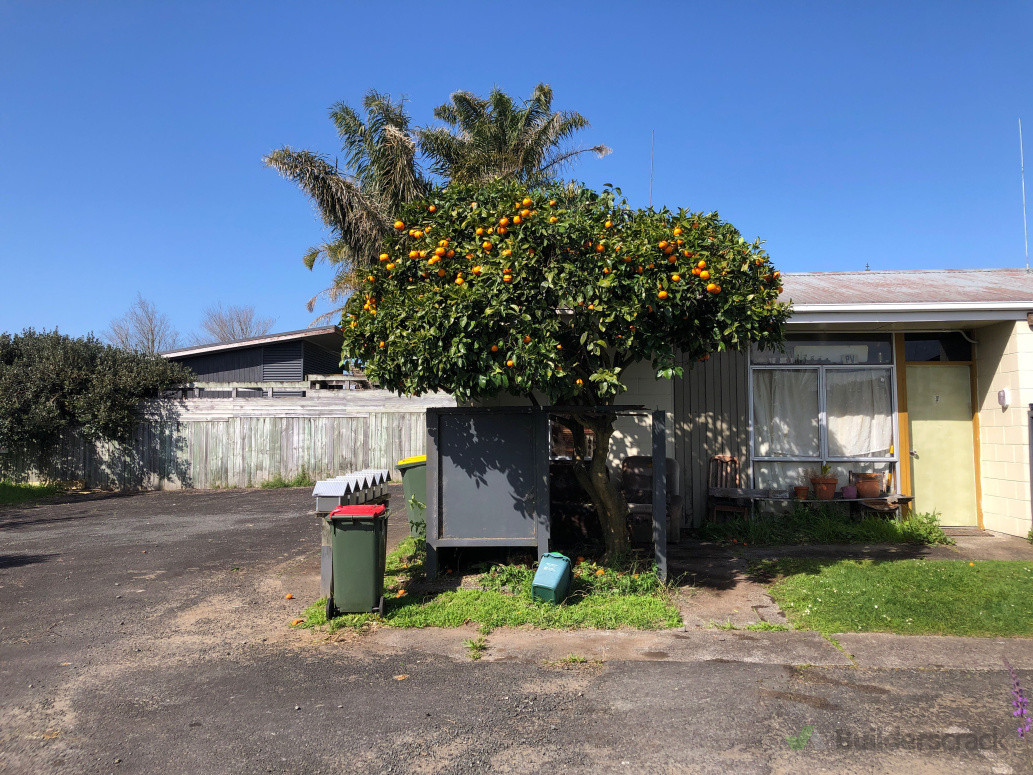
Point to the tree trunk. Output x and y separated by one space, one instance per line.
594 476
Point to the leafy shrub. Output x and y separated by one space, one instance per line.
823 525
50 383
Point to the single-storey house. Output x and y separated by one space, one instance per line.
287 364
925 376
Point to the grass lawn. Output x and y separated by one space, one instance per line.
831 525
909 597
599 598
12 493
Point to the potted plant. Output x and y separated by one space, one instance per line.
801 491
823 484
868 485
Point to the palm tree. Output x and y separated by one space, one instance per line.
493 138
380 175
488 139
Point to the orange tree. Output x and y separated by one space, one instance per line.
551 294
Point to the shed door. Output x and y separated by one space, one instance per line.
943 467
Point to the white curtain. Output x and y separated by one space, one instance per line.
859 412
785 413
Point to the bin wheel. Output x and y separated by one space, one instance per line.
329 608
380 608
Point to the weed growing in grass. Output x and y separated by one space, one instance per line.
601 598
476 647
826 525
301 479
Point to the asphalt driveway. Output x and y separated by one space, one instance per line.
148 633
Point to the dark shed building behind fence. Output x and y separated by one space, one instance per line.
288 357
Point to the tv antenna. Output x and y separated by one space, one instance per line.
1022 175
652 144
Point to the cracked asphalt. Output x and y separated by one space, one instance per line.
149 633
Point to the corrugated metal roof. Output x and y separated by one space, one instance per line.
343 485
903 287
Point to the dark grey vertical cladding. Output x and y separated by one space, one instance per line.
282 362
320 361
243 365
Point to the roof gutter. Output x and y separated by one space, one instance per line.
911 313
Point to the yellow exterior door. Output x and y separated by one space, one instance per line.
943 468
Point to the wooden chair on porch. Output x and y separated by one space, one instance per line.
723 473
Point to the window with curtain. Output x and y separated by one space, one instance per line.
833 411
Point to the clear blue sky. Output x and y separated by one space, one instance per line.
131 134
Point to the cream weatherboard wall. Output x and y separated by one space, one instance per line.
1004 359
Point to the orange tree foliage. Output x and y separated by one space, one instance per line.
556 291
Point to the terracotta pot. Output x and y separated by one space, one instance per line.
801 491
824 487
868 485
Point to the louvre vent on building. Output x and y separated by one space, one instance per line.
282 362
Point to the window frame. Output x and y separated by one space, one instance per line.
823 456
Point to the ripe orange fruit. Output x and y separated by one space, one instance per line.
399 225
638 270
477 270
353 324
382 345
627 259
507 252
288 596
432 209
414 254
503 230
675 278
390 267
509 363
494 348
552 203
459 281
384 256
517 220
553 219
662 294
503 221
677 231
422 254
480 231
600 248
527 340
663 244
487 246
652 265
591 306
704 274
668 250
419 234
473 205
559 347
451 254
580 382
702 264
608 225
526 202
606 270
525 213
441 273
370 279
507 278
672 260
439 251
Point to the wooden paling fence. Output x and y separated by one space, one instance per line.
237 451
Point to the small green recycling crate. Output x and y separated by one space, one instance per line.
414 488
359 550
552 579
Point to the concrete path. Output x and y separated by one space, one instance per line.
149 634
